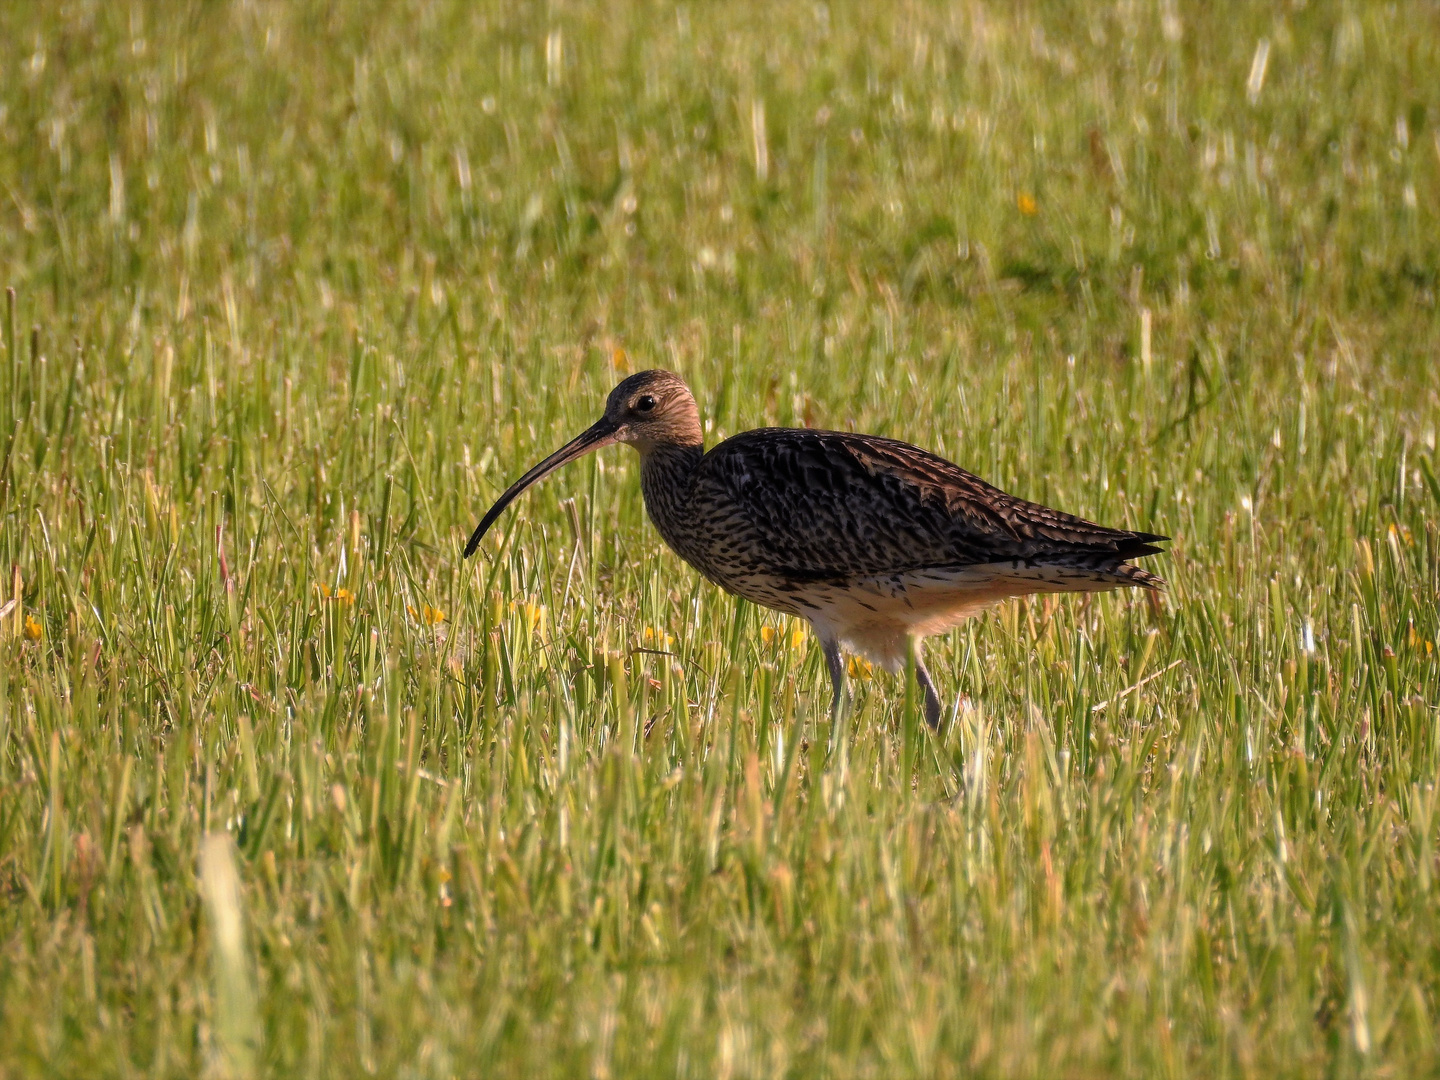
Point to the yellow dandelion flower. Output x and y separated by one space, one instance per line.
1401 533
345 596
767 635
534 617
1026 204
797 638
1418 641
433 615
860 668
323 590
618 359
33 628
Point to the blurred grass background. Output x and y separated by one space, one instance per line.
298 288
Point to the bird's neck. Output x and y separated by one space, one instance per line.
667 477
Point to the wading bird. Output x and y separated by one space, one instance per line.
876 542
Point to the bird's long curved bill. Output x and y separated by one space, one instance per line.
600 434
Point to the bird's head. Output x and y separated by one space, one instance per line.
649 410
652 409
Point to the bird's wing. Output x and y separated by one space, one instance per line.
829 505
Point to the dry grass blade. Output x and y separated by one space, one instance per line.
236 1033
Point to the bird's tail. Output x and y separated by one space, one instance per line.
1094 572
1137 577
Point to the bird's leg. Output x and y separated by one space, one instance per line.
841 700
932 698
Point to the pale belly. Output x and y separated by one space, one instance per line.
876 617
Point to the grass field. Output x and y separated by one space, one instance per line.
288 789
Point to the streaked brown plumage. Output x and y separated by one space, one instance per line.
872 540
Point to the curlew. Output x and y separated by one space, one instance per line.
875 542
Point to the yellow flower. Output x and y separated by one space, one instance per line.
345 596
33 628
534 616
1025 203
860 668
770 635
1418 642
618 359
653 636
430 616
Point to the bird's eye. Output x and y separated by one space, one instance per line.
644 403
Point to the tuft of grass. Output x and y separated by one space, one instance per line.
288 788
